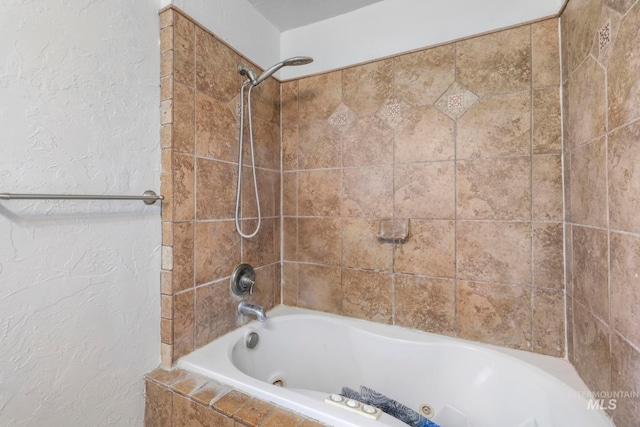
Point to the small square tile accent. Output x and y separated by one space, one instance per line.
166 39
604 35
208 393
231 402
166 355
392 111
167 258
254 412
455 101
167 377
166 112
342 118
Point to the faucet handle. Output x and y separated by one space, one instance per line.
243 279
247 283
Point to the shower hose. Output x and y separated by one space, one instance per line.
253 161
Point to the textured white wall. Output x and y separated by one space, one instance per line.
240 25
385 28
79 281
394 26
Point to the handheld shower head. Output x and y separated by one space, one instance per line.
295 61
249 84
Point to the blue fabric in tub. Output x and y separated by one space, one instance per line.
388 406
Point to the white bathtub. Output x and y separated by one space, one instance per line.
467 384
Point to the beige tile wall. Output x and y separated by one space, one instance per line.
602 153
200 126
464 140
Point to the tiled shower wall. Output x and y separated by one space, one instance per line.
200 89
601 64
464 141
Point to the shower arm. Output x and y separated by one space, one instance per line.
265 75
251 75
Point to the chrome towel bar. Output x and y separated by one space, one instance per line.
148 197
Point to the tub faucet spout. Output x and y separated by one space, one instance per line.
244 308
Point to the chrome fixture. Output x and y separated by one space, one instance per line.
245 71
242 280
252 340
149 197
291 62
251 82
246 309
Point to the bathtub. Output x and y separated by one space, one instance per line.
312 355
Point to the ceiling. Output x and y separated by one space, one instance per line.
288 14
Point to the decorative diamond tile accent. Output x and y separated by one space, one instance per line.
342 118
392 111
234 105
456 101
604 35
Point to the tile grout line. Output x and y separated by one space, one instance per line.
297 191
607 207
280 281
565 193
616 231
195 187
342 83
173 204
531 191
393 204
171 172
455 200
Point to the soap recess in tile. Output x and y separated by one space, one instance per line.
393 230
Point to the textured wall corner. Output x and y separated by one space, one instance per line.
79 303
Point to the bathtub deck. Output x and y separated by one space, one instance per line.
174 397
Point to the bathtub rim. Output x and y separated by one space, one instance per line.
556 369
